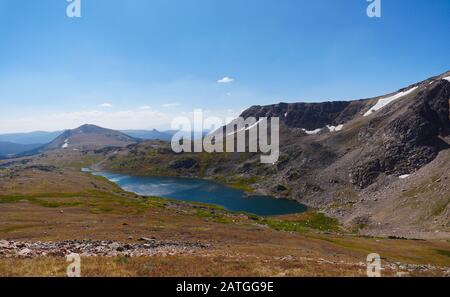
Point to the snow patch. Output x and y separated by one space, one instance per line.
385 101
329 127
312 132
66 144
404 176
335 128
447 78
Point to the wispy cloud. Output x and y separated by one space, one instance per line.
126 119
171 105
225 80
120 120
145 107
106 105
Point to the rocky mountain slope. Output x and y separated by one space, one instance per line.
337 156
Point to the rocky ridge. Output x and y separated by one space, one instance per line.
88 248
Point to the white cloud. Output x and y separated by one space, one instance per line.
145 107
225 80
171 105
107 105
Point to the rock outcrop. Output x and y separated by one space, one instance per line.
309 116
89 248
405 141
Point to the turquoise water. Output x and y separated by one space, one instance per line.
204 191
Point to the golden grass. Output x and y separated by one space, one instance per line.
75 205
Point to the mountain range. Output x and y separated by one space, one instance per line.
379 164
150 134
10 148
36 137
20 144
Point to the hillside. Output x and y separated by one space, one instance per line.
37 137
120 233
48 210
89 137
10 148
353 159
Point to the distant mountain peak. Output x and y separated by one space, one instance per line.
89 128
90 136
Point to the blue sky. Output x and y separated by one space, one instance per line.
138 63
